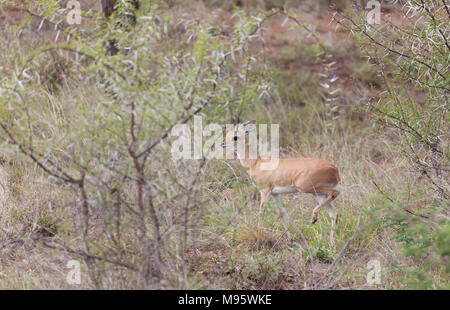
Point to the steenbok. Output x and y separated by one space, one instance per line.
291 175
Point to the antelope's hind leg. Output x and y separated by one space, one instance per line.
324 196
334 215
321 198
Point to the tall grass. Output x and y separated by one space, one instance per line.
207 210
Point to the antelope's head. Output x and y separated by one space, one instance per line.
234 137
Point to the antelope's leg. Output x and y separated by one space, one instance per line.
332 194
279 206
331 212
334 220
284 216
261 206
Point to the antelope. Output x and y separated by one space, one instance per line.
291 175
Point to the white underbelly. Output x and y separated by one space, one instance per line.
284 190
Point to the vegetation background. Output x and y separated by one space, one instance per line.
86 113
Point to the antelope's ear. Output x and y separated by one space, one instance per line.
252 122
248 126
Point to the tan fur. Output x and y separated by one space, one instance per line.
308 175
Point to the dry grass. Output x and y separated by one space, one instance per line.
231 252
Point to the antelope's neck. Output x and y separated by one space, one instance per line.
245 159
248 163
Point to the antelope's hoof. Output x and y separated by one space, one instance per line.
314 220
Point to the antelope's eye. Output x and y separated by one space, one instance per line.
235 138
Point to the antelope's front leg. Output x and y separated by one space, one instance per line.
261 206
284 216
